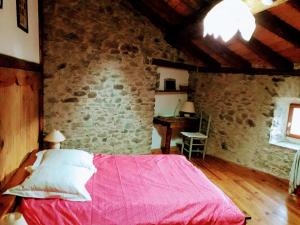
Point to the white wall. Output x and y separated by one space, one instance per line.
165 104
181 76
14 41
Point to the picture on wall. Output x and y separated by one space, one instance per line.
1 4
22 15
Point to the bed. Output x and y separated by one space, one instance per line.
160 189
148 189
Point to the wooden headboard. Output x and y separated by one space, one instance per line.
20 125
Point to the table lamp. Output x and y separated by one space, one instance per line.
188 109
54 138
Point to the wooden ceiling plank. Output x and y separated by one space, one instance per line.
230 56
279 27
197 16
187 45
268 54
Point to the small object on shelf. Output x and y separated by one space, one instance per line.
170 84
54 138
183 88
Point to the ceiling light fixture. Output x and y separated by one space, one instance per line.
227 18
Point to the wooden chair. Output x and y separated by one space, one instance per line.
196 141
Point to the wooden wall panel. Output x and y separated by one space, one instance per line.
19 118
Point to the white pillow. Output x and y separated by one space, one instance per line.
64 182
72 157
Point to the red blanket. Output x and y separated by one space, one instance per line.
128 190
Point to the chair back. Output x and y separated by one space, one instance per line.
205 120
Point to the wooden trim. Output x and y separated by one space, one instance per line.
226 70
11 62
9 76
290 116
8 202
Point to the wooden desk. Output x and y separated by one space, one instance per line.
181 123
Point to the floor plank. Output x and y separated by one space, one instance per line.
264 197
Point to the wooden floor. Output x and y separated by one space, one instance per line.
264 197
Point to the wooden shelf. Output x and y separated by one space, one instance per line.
170 92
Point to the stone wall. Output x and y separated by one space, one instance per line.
98 90
242 109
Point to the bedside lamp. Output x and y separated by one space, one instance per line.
187 109
54 138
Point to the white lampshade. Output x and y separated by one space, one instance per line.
188 107
227 18
55 136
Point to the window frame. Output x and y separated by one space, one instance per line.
289 122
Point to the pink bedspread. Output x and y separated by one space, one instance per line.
128 190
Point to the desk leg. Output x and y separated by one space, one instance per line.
166 148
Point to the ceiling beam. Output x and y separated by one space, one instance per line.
268 54
279 27
251 71
198 15
189 47
228 55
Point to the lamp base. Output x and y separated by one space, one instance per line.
52 145
186 114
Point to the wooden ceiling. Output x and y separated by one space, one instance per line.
273 49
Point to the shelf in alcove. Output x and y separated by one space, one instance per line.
158 92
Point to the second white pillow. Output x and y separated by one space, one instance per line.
71 157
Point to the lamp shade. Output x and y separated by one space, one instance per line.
227 18
188 107
55 136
